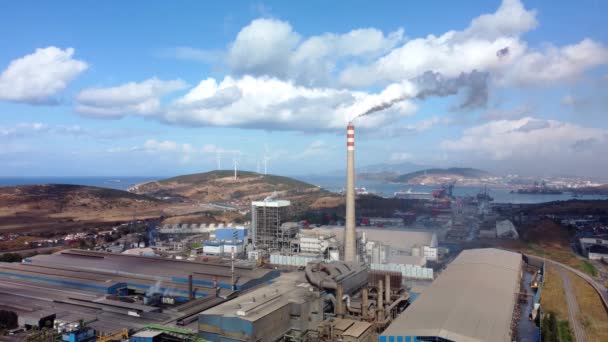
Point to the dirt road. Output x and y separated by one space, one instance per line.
573 309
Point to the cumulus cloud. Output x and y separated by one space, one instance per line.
192 54
37 77
478 47
141 98
270 103
270 47
526 138
400 157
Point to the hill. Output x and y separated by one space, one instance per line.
440 176
61 206
220 186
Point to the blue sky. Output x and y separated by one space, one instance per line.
144 88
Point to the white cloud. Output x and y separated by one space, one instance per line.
400 157
477 48
141 98
495 114
269 103
37 77
527 138
316 149
192 54
569 100
271 47
554 64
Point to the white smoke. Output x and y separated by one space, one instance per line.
154 288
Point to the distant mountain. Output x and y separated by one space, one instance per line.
384 171
439 176
220 186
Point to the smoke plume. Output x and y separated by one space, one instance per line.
474 83
429 84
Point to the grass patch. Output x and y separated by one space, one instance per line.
593 317
589 268
562 255
563 331
552 297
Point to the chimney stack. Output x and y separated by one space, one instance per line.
350 234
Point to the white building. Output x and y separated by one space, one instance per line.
400 241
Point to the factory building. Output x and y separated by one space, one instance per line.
287 306
594 248
472 300
330 301
407 242
270 229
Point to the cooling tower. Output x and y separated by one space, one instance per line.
350 235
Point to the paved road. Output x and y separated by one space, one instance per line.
573 309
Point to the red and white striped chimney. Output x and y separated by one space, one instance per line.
350 234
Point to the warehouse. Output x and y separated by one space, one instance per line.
399 240
266 314
143 272
472 300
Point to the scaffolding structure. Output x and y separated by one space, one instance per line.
269 229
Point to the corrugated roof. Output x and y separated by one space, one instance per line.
472 300
357 329
397 238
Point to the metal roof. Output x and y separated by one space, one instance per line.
472 300
273 203
397 238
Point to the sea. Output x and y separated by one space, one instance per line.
335 184
114 182
387 189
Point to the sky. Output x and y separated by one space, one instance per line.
144 88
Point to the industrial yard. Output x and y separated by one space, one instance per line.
276 278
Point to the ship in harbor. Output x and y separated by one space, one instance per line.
538 189
445 191
409 194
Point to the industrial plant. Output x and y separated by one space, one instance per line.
271 279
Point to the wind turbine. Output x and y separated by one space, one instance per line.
266 159
236 163
257 165
218 155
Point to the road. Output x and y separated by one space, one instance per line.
573 309
32 250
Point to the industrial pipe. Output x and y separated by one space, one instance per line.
387 296
364 303
190 290
380 305
339 302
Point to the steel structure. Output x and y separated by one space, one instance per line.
268 229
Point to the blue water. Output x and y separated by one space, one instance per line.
388 189
335 184
117 182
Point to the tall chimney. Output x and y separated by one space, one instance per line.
387 287
350 234
364 303
380 303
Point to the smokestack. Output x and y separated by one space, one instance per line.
380 304
364 303
350 234
387 285
190 290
